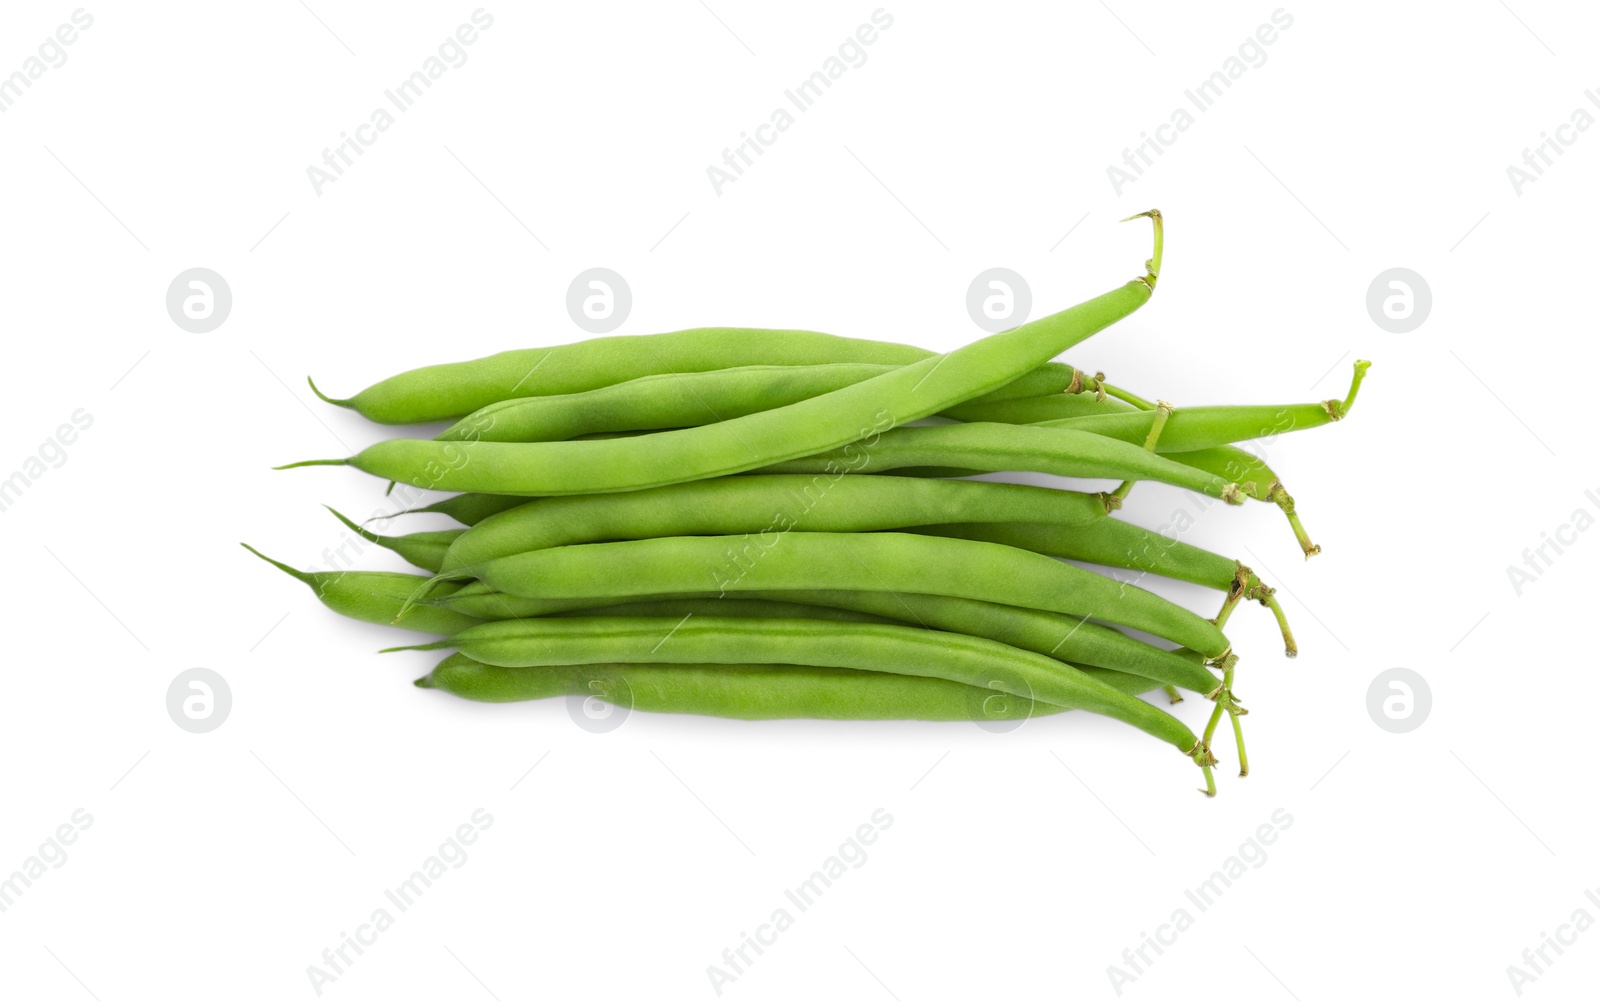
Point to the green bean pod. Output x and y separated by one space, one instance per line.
751 692
1190 429
777 606
1065 638
453 390
990 448
876 561
766 504
374 597
689 399
419 549
469 509
1148 552
1074 526
819 423
1032 410
899 650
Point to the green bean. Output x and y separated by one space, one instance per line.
1031 410
1065 638
989 448
742 608
1142 550
899 650
374 597
1059 523
819 423
751 692
1232 464
471 508
1149 553
1190 429
765 504
876 561
420 549
688 399
1229 462
1235 465
454 390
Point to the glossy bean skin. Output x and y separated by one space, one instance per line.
1032 410
877 561
743 608
763 504
1235 464
899 650
990 448
1229 462
819 423
453 390
751 692
471 508
1147 552
375 597
1065 638
1059 523
1190 429
419 549
690 399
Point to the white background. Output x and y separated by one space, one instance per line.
178 135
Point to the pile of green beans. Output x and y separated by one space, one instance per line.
760 524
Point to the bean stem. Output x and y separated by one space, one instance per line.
1225 701
1337 409
1157 424
1261 593
1127 397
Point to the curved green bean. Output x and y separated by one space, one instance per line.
1063 637
899 650
766 504
876 561
751 692
453 390
419 549
374 597
819 423
990 448
688 399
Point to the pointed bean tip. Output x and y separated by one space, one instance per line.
323 396
300 576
